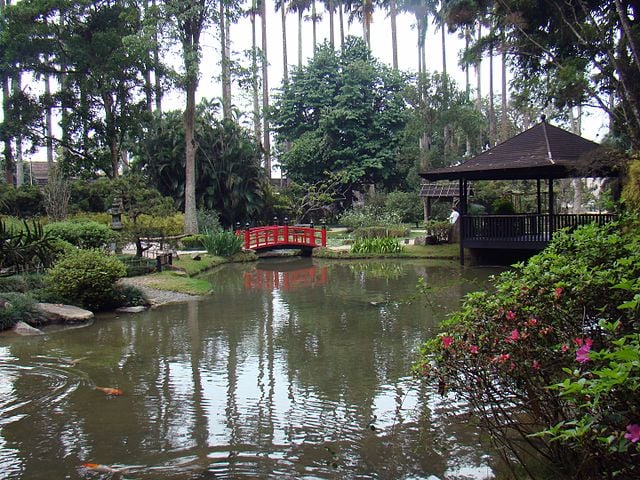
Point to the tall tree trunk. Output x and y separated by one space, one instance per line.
314 22
300 38
332 30
190 218
341 18
224 62
6 98
266 142
17 87
148 88
156 62
443 36
257 125
504 118
48 121
479 87
366 22
393 13
285 62
467 83
492 112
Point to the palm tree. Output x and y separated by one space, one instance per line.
283 7
299 6
419 10
266 139
6 95
330 7
393 12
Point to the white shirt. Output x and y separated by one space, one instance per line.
453 218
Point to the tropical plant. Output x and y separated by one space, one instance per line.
383 245
223 244
26 248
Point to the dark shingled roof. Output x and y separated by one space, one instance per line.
543 151
440 190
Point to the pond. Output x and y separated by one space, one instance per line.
292 368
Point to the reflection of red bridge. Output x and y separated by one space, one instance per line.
277 237
274 280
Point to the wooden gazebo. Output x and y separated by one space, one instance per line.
542 153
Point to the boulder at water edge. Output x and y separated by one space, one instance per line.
67 314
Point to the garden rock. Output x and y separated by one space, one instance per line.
22 328
67 314
137 309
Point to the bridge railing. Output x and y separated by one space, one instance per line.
283 235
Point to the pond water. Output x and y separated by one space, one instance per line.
292 368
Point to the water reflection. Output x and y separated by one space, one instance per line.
291 369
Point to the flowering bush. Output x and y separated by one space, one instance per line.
549 323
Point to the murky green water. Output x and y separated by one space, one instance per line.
290 369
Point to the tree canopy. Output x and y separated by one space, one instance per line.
343 112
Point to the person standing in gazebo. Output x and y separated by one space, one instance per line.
454 229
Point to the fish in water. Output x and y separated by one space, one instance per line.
110 391
98 467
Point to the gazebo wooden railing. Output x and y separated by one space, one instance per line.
527 231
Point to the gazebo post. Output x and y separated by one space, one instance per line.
539 196
551 208
462 206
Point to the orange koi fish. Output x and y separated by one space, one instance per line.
97 467
110 391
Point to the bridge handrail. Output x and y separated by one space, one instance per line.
283 235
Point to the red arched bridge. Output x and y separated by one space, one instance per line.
283 237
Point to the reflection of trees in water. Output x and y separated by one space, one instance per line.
239 375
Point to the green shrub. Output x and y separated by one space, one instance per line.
137 266
407 205
24 202
192 242
379 232
82 234
223 244
376 245
368 216
128 296
502 206
548 324
21 283
86 277
208 220
438 229
18 307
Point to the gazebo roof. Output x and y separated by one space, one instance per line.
440 189
543 151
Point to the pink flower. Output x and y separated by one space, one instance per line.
532 322
558 292
446 341
564 347
582 354
473 348
536 365
500 358
515 335
510 315
546 330
633 433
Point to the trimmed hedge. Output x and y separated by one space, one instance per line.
82 234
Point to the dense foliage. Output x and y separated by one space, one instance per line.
569 317
229 178
343 112
86 278
83 234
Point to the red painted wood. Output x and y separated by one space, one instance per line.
258 238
